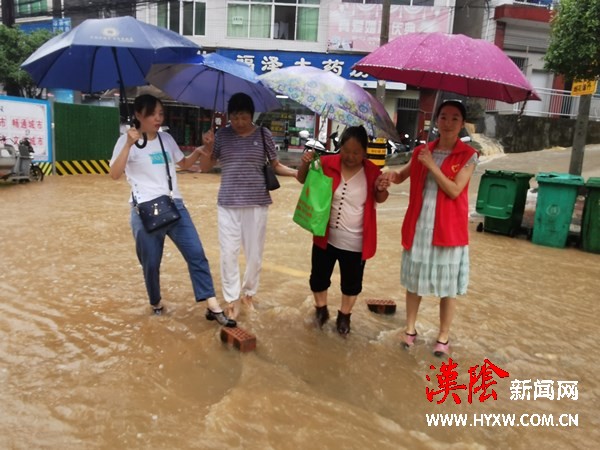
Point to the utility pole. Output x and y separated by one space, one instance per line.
383 39
579 136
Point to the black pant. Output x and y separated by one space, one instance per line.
352 268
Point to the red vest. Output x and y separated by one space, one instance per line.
451 216
332 167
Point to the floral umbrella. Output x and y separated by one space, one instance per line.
332 96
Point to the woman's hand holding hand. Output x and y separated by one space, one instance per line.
390 177
382 183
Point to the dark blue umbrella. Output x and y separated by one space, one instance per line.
102 54
211 81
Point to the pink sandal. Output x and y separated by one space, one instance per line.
441 349
409 339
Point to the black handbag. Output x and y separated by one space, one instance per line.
160 211
271 180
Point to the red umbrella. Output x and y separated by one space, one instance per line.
449 62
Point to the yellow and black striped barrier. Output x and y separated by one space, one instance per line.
46 167
377 150
100 166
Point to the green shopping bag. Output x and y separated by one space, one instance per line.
314 205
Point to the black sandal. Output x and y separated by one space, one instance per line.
221 318
157 310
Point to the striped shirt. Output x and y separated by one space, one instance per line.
242 159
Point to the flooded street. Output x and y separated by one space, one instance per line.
83 364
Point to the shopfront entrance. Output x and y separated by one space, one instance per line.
287 122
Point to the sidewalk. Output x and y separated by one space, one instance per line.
549 160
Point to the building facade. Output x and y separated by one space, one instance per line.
329 34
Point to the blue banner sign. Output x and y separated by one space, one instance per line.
265 61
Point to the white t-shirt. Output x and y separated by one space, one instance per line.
145 168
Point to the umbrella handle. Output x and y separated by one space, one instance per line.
144 141
136 124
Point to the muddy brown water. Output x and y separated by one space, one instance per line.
84 365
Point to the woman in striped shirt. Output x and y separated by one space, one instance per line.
243 200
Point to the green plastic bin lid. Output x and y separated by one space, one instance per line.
559 178
507 174
593 182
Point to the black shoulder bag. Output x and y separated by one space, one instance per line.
161 211
271 180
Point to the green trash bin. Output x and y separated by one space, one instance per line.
501 199
590 224
557 193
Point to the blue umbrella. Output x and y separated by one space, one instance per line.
211 82
102 54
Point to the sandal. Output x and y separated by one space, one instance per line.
221 318
409 339
157 309
441 349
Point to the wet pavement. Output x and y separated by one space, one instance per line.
83 364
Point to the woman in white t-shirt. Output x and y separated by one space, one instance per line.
146 172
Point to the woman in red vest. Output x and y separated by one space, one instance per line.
435 236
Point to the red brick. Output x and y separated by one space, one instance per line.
382 306
239 338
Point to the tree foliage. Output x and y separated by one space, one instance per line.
574 50
15 47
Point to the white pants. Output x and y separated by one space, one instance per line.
241 228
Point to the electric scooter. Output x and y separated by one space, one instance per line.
17 165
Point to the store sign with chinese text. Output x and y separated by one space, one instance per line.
264 61
585 87
27 118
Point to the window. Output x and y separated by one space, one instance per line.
273 19
185 17
520 62
28 7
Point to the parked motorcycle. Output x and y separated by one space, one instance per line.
312 144
23 168
410 143
400 152
35 172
